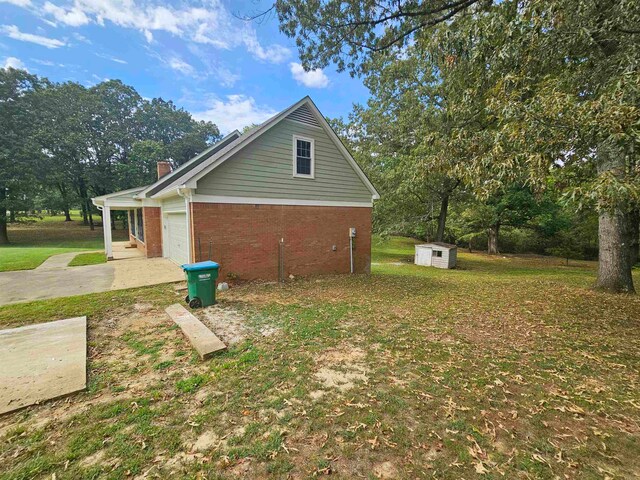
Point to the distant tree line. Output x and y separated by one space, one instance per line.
511 112
63 143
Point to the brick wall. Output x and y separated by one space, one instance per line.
245 238
152 231
134 242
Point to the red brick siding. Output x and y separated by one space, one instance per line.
152 231
134 242
245 238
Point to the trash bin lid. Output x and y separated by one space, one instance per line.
194 267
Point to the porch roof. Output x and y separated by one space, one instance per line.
123 199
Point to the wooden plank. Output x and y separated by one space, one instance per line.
203 340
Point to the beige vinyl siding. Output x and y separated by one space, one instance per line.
264 169
173 204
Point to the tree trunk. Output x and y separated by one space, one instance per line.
4 237
12 218
442 218
492 244
615 231
614 256
85 219
91 225
635 237
67 214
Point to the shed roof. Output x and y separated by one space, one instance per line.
438 244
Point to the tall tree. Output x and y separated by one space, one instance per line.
558 83
19 153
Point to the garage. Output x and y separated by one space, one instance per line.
175 230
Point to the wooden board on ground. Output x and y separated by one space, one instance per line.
203 340
43 361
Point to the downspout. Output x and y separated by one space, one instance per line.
186 193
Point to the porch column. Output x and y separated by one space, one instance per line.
106 229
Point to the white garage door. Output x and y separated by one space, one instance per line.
176 237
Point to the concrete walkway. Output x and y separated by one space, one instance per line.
58 261
58 280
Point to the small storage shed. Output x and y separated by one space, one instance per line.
436 254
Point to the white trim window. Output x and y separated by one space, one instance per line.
303 157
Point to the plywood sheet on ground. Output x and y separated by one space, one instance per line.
43 361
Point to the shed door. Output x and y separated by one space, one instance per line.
176 237
424 256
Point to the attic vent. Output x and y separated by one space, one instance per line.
304 115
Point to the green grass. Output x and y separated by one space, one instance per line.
91 258
32 242
509 364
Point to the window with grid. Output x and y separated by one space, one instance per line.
304 157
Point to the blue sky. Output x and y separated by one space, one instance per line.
197 54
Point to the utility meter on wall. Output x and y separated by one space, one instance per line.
352 232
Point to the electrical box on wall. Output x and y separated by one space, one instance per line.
352 232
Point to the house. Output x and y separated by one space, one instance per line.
284 198
436 254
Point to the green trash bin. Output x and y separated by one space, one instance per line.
201 283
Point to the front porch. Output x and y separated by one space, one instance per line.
124 201
132 269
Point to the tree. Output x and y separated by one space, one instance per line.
556 84
399 134
347 33
173 127
19 153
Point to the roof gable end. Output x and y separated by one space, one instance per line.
303 111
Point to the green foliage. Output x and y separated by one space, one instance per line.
90 258
66 143
514 93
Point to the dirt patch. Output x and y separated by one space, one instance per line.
93 459
205 441
340 369
228 324
231 326
386 470
342 381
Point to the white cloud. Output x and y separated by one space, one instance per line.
13 62
210 25
213 67
14 32
237 112
273 53
73 16
311 79
181 66
19 3
81 38
226 77
112 58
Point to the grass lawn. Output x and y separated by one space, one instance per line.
90 258
508 367
33 242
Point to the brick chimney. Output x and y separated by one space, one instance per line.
163 169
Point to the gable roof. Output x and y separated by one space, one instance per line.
183 170
196 168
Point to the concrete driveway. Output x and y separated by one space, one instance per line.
54 279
